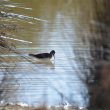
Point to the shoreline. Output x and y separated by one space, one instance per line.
41 107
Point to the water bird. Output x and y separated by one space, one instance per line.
44 55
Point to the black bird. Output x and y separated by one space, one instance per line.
44 55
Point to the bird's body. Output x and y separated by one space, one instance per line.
43 55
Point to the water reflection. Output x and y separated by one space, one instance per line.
95 63
100 54
46 63
8 86
38 80
77 38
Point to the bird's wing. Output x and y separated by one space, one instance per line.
43 55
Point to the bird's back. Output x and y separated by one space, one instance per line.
42 55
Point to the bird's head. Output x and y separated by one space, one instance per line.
53 53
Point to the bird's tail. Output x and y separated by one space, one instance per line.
31 55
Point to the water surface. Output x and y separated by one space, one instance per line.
60 25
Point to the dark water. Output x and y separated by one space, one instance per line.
61 25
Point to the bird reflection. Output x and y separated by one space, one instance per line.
46 63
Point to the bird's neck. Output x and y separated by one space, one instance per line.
51 55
